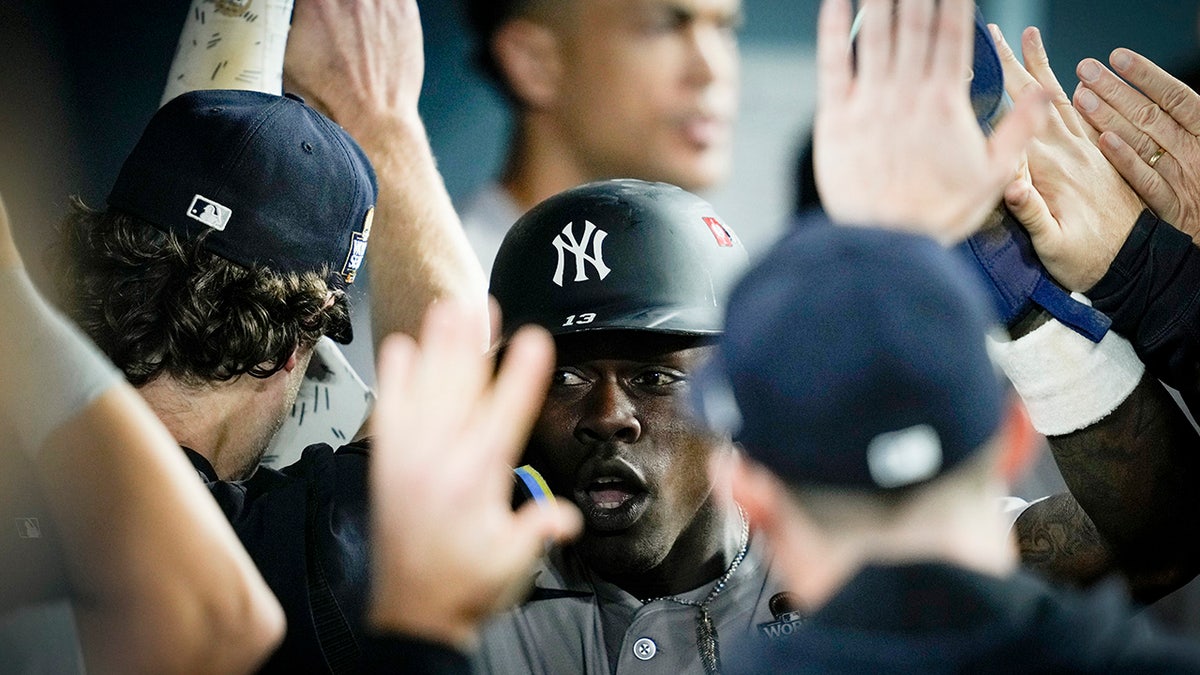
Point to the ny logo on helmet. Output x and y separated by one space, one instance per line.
566 242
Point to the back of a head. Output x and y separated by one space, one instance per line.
486 18
234 222
856 359
618 255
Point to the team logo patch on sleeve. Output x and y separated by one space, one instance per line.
209 212
722 234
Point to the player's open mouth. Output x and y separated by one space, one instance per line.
612 502
609 492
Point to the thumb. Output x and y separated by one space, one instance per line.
536 524
1027 206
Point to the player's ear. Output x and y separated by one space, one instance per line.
759 492
293 360
527 53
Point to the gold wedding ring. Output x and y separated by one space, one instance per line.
1156 156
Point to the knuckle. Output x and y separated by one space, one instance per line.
1175 98
1146 116
1041 58
1187 212
1006 52
1102 118
1106 87
1144 146
1030 87
916 20
1058 97
1144 185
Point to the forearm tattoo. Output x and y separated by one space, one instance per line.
1135 499
1058 540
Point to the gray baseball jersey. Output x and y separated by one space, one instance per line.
576 623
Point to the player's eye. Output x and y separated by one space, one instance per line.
660 20
564 377
658 378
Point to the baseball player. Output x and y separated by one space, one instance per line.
1112 428
885 524
230 236
83 458
1091 230
214 321
629 277
644 89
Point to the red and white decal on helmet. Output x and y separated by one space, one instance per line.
719 232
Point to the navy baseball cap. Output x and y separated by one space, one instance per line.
266 179
988 98
856 358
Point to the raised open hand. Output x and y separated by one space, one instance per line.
448 549
896 140
1150 133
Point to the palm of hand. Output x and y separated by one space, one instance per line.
930 170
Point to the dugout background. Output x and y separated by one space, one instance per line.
79 80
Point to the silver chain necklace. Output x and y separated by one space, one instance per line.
706 630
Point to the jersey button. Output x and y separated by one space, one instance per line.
645 649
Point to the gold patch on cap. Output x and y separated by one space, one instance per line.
358 248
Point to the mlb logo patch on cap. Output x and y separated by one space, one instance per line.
209 212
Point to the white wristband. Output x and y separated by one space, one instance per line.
52 372
1067 381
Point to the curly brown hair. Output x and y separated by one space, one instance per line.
157 303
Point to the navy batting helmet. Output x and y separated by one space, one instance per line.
618 254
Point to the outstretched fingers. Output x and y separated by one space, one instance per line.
875 42
452 371
393 415
954 43
1112 105
1173 96
1019 127
1037 63
834 58
914 21
1151 184
1016 79
518 392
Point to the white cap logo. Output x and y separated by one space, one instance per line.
209 212
904 457
566 242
